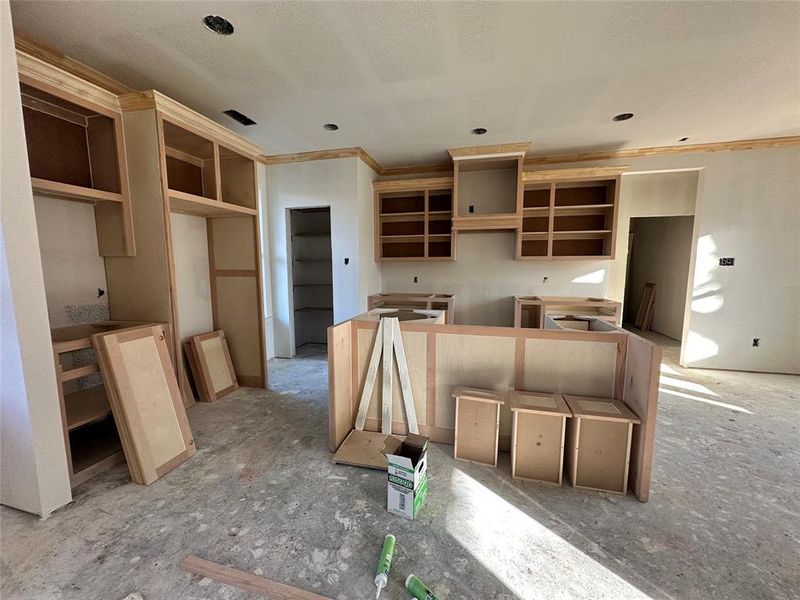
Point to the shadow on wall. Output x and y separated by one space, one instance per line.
706 298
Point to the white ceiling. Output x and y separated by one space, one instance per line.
405 80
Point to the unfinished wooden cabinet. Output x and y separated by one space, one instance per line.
477 425
443 302
90 435
538 435
183 164
569 214
487 188
75 145
599 443
531 311
413 219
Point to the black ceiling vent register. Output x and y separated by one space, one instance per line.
218 25
237 116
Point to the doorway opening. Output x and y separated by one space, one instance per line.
656 286
312 278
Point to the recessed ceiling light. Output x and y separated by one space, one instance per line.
683 139
218 25
479 131
330 127
623 117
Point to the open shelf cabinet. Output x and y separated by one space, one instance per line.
205 178
76 152
569 214
90 434
414 219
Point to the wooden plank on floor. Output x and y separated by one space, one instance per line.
262 586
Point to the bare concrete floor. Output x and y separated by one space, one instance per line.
263 496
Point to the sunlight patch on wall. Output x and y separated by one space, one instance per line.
593 277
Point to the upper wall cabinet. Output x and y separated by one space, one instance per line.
569 214
75 146
413 219
564 214
488 186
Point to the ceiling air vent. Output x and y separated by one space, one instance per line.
237 116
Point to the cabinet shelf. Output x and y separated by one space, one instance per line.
582 209
314 309
86 406
190 204
312 235
304 285
402 214
72 192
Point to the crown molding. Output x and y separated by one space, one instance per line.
756 144
36 49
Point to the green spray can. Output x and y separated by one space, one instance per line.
385 563
419 590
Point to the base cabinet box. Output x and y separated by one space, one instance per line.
407 485
599 443
537 435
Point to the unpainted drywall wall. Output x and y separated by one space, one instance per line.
748 208
266 271
331 183
192 279
661 254
72 266
33 462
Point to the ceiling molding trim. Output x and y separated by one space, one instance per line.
490 151
370 162
282 159
53 57
418 170
573 174
50 78
756 144
544 159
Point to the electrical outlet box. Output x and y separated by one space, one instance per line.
726 261
472 208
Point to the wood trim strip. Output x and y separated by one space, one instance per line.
36 49
753 144
245 581
407 185
282 159
544 159
53 80
573 174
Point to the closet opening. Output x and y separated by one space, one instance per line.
312 277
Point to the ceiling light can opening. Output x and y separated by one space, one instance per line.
622 117
218 24
479 131
330 127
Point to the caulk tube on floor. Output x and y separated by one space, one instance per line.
419 590
385 563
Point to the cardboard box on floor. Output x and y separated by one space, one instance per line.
407 485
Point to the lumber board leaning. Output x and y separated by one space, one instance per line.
262 586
